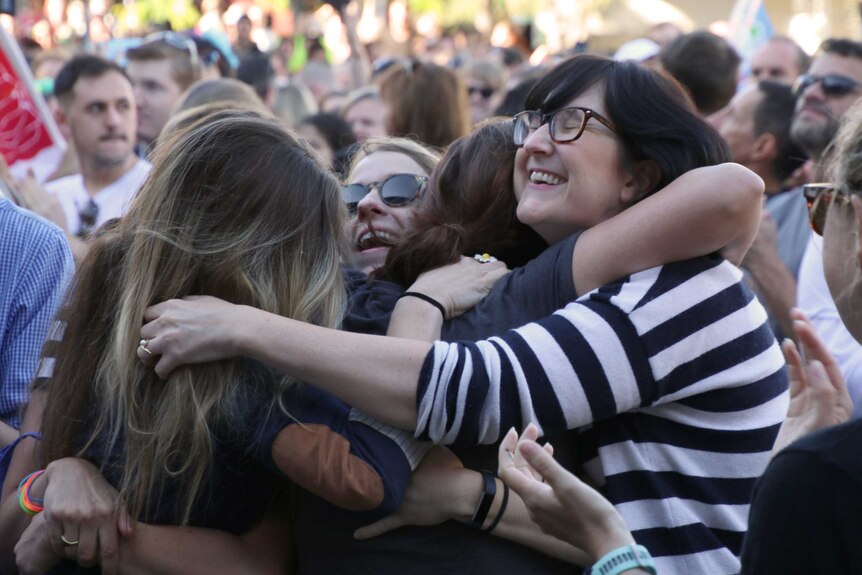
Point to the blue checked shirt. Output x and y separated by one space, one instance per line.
35 268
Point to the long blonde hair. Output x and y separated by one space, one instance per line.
237 208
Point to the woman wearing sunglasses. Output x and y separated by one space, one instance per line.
386 177
671 374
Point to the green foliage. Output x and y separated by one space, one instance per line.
181 14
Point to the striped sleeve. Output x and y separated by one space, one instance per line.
662 335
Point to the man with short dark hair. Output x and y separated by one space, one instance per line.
161 69
756 127
97 113
706 65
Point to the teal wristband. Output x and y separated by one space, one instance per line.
622 559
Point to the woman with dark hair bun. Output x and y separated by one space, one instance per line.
671 375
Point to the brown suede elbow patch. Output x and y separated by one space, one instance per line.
319 460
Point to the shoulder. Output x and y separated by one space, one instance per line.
20 227
66 185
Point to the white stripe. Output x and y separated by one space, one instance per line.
440 350
726 329
684 296
714 562
611 354
557 366
675 512
770 413
753 369
489 422
413 449
628 456
632 292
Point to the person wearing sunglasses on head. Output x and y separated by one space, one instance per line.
671 375
161 69
824 96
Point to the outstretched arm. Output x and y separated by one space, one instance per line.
710 209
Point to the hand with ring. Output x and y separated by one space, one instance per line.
84 514
34 551
143 346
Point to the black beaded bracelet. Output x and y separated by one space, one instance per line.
484 506
426 298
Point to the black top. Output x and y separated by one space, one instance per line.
806 515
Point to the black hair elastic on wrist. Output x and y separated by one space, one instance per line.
426 298
484 506
501 510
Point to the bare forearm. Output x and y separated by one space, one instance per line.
701 212
170 550
376 375
7 434
416 319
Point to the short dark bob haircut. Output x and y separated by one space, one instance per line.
655 119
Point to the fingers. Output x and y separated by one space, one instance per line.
70 533
125 525
795 367
505 453
109 549
87 547
541 461
379 527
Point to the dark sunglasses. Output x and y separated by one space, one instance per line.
831 84
88 214
819 198
484 92
395 191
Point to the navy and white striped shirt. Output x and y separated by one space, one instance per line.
676 381
35 267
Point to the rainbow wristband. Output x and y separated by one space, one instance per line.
30 505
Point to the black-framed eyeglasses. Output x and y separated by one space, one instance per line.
831 84
819 197
564 125
178 41
88 214
395 191
484 92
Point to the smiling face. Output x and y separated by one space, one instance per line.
818 114
377 227
563 188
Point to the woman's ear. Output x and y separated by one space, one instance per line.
645 177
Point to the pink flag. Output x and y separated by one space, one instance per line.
26 125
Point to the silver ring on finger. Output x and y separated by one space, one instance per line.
143 345
67 542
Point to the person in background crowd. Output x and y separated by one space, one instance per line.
292 103
756 127
244 44
219 90
98 113
831 86
707 65
161 69
35 267
331 138
486 82
779 59
256 71
426 102
366 113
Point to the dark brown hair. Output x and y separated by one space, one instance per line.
469 208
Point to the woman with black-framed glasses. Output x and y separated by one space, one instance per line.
671 375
